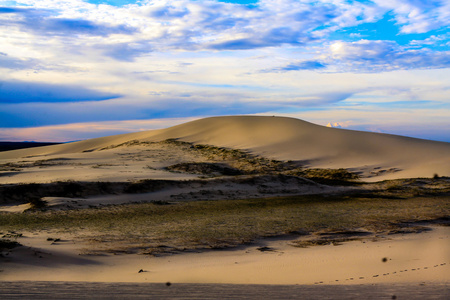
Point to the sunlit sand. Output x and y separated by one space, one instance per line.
423 257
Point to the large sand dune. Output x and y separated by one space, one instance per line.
107 172
375 155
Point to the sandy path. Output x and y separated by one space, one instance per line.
412 258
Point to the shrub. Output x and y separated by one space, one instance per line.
8 244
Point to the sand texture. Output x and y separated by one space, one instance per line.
373 155
244 162
400 258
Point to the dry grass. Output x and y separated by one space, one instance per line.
205 169
240 160
327 176
150 228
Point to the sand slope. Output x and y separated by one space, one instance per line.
412 258
381 156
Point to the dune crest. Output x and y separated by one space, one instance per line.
381 156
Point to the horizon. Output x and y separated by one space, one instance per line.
335 126
74 70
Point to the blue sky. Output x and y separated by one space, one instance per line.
73 69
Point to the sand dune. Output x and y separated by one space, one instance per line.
375 155
103 171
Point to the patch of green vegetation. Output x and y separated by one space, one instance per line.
224 223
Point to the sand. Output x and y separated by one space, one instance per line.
413 258
373 155
410 258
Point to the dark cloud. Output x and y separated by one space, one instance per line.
25 92
172 105
41 114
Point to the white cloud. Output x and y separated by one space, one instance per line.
418 16
197 58
376 56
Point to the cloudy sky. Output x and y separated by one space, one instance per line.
73 69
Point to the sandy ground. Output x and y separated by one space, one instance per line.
410 258
114 165
375 156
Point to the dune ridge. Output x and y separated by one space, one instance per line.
149 206
387 156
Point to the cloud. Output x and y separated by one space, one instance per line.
168 105
188 25
169 12
11 10
26 92
81 131
439 40
125 51
135 51
274 37
336 124
414 123
301 65
165 25
381 56
369 56
418 16
47 22
74 26
9 62
318 99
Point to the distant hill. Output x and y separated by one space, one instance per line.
384 156
7 146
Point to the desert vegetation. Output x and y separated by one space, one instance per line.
239 161
161 227
342 205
